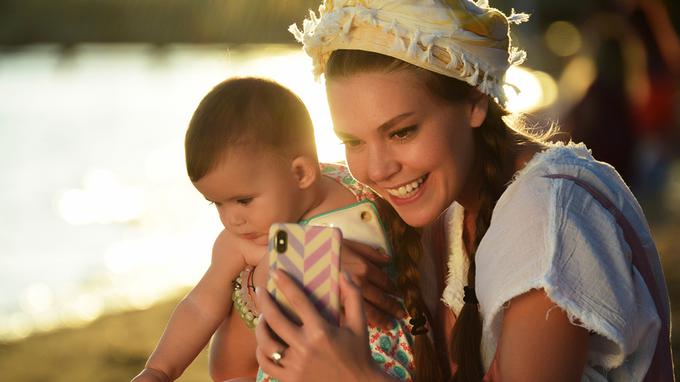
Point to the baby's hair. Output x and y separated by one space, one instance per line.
242 111
496 144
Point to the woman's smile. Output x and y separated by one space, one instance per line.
414 148
406 190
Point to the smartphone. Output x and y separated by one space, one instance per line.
358 222
311 256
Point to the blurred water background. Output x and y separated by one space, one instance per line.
97 213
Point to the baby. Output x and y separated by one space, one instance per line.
250 151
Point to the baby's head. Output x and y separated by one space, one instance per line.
250 149
242 112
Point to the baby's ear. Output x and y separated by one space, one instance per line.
305 170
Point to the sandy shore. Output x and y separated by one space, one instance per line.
115 347
112 348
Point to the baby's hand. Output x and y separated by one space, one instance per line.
261 273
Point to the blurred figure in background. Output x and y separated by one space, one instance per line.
627 116
658 122
604 119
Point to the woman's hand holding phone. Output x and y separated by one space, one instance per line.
364 265
363 232
317 346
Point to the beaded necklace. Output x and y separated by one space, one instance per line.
243 300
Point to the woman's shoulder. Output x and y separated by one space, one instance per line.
546 181
548 195
552 234
570 158
540 221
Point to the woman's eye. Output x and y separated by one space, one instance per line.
351 143
244 201
404 133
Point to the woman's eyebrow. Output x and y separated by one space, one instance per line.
389 124
381 129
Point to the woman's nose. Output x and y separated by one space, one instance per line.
382 164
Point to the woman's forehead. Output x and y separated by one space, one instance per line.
406 79
375 99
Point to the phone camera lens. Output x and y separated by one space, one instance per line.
281 241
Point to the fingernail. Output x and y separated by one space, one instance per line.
347 278
258 290
275 275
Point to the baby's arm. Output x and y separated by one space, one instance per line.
232 351
197 315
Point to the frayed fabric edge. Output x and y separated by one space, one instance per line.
584 319
450 297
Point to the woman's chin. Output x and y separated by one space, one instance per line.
416 217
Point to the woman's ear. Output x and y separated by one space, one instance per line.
480 106
305 170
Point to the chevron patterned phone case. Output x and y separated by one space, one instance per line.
311 255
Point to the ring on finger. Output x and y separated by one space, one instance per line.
277 356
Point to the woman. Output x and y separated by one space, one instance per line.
545 280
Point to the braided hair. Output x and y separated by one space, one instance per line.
496 146
408 251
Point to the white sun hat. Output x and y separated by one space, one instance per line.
463 39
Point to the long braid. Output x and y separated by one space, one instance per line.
493 142
408 251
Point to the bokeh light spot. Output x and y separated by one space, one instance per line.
563 38
548 87
103 200
37 298
524 90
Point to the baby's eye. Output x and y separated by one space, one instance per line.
244 201
404 133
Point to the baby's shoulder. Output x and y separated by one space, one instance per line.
231 248
225 242
340 173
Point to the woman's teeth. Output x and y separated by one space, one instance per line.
406 190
